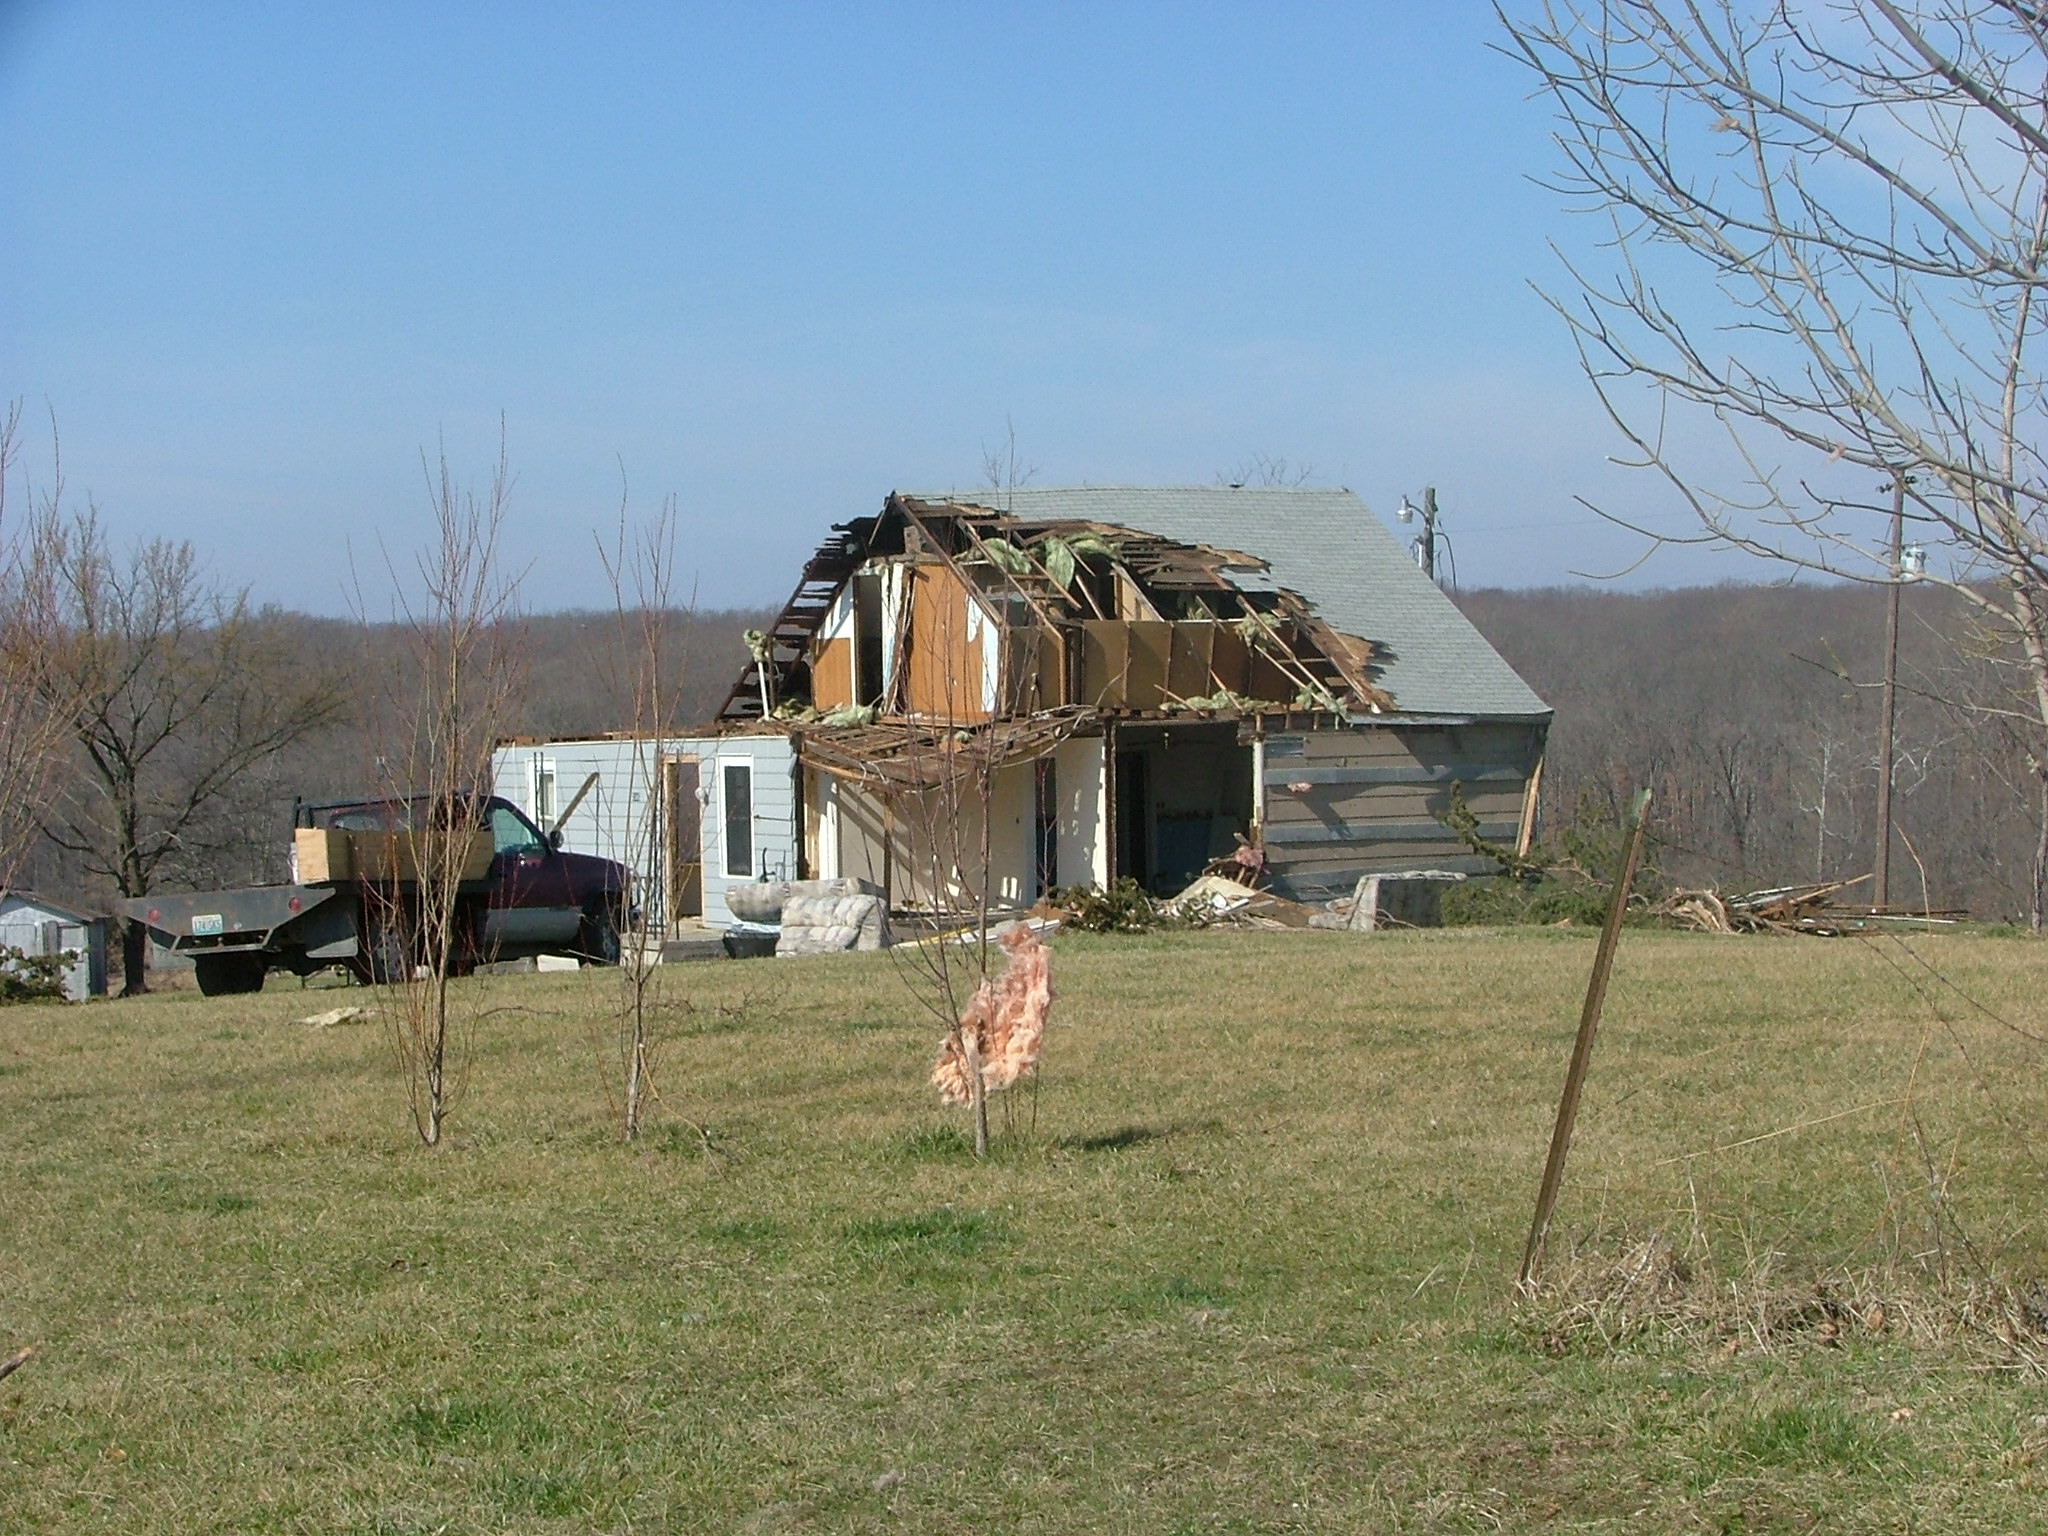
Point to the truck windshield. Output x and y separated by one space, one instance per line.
510 834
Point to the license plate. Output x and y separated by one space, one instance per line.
207 925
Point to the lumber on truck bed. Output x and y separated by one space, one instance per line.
326 855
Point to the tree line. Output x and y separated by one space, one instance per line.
198 717
1752 713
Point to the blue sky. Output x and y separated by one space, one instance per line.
778 260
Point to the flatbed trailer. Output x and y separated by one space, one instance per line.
234 938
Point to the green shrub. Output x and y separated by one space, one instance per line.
1571 882
1502 901
26 978
1126 907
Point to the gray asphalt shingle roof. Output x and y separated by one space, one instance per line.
1329 547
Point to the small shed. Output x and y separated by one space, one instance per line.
36 925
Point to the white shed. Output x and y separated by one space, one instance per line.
37 926
689 815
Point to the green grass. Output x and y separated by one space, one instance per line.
1241 1263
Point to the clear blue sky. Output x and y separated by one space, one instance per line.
779 259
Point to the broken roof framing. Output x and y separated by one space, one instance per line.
1072 582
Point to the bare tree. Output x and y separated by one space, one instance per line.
1864 190
1266 469
35 711
651 647
949 818
171 688
1000 466
458 623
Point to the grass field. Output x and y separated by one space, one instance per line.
1243 1262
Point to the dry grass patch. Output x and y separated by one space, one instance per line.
1239 1262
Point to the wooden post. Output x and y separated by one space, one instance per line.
1525 834
1881 886
1582 1048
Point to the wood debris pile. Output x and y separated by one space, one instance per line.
1811 909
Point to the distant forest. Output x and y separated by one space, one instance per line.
1752 713
1740 706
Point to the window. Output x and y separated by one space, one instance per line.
511 835
739 819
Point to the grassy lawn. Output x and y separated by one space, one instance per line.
1242 1264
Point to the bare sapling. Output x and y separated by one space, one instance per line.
948 805
949 825
457 625
652 650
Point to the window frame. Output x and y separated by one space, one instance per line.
726 768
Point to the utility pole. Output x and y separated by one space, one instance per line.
1881 891
1424 547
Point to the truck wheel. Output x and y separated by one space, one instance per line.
381 958
599 940
224 975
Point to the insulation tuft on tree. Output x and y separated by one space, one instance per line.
1003 1023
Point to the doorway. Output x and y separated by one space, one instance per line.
1183 797
1133 817
682 819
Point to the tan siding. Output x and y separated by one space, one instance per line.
832 675
944 680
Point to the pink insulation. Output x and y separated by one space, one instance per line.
1004 1020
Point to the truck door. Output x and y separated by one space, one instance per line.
532 905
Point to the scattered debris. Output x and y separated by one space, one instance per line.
1125 907
1787 909
334 1016
1219 894
16 1361
1215 899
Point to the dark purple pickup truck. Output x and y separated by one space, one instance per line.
534 899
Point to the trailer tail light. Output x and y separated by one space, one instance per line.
292 905
155 916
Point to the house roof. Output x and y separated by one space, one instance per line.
1327 546
14 901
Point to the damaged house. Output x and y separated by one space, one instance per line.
975 703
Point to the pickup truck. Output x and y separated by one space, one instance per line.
531 898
